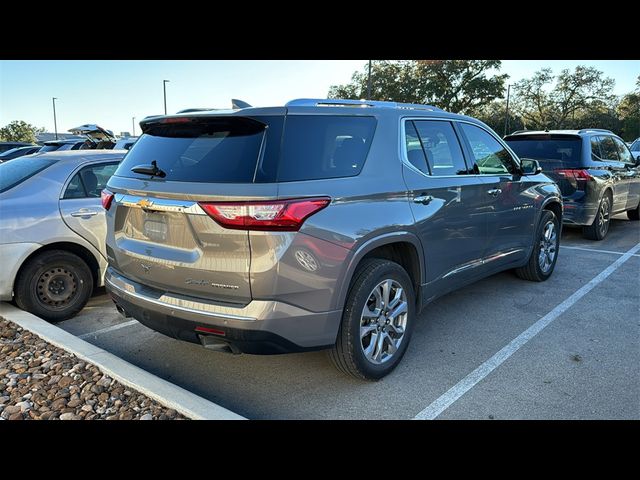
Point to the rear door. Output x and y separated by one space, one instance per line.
611 158
160 235
450 207
80 204
632 176
511 222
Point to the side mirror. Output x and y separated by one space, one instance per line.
530 166
638 161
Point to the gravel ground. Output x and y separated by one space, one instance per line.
42 382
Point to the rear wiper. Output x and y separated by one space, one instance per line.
152 170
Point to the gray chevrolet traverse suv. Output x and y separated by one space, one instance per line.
320 224
595 170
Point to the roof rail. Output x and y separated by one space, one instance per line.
585 130
324 102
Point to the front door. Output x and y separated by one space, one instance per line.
450 207
511 222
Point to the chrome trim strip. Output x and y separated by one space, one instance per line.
479 262
160 204
174 306
405 159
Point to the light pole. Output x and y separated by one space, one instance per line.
369 82
133 124
55 122
164 87
506 117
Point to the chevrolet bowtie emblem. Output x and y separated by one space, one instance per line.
144 203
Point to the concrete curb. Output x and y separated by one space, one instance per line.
166 393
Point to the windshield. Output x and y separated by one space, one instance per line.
17 171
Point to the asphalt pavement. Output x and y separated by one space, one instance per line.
584 364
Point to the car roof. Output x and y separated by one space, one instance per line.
311 106
80 156
579 133
65 142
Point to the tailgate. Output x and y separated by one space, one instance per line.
174 245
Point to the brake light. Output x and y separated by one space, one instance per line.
279 215
176 120
578 178
107 197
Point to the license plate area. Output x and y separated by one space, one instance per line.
155 227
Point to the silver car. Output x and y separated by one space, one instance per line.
52 230
320 224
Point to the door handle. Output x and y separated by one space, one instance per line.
84 213
494 192
423 198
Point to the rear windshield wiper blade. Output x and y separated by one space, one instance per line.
152 170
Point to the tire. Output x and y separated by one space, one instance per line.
634 214
534 270
348 354
600 226
44 283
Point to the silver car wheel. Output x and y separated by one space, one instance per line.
548 247
603 217
383 321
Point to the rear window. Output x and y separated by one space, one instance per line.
17 171
550 151
248 150
324 146
215 150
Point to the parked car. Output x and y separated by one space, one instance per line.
125 143
635 148
4 146
19 152
595 170
52 231
62 145
321 224
97 137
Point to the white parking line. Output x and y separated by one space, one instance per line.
597 250
108 329
467 383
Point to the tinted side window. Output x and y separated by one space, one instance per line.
415 154
441 147
595 148
623 151
324 146
90 181
608 149
489 155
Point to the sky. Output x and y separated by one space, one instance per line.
110 93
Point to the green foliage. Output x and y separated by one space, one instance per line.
19 131
628 112
564 101
459 86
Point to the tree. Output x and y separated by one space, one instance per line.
459 86
494 114
541 103
628 112
19 131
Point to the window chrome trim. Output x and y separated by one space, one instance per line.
405 159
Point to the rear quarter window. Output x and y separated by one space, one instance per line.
324 146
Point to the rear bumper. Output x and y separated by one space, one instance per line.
578 213
260 327
12 256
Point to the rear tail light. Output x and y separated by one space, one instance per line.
279 215
107 197
577 177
